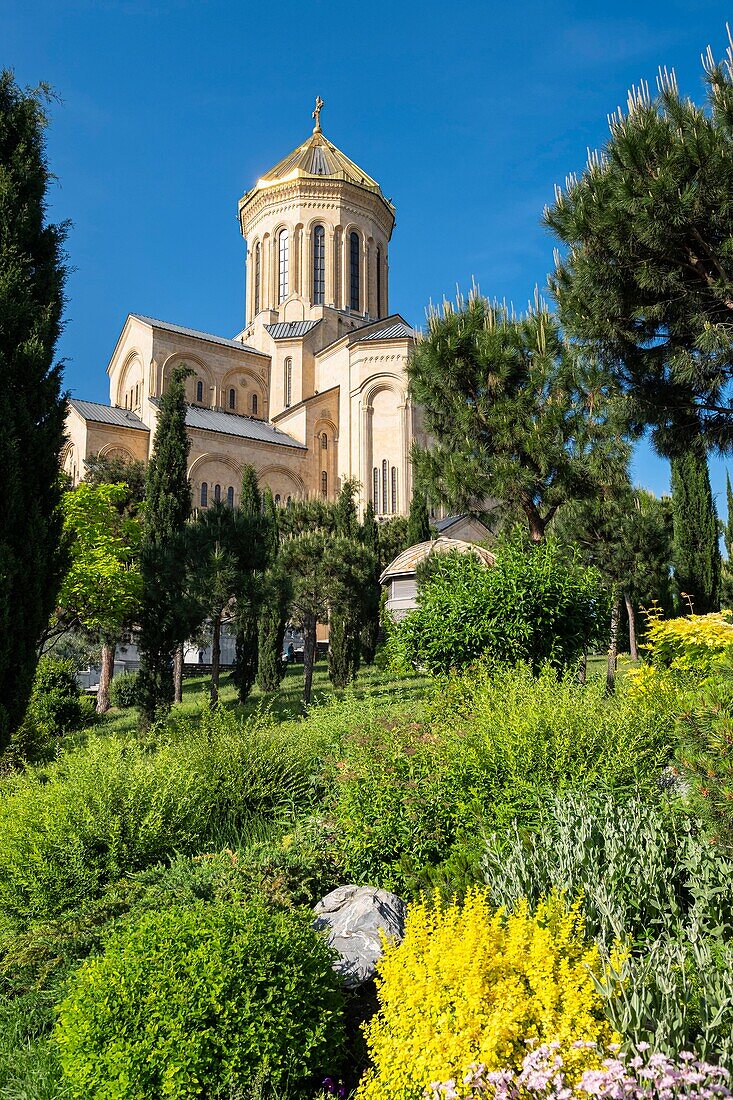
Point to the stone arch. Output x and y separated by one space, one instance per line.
132 373
115 450
234 378
279 478
214 468
201 371
385 473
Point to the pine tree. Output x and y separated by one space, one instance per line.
275 606
418 529
646 278
517 416
166 616
370 627
345 619
695 552
248 603
32 407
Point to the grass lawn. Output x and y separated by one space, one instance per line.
285 704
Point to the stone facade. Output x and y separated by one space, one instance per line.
314 389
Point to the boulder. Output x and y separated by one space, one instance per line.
353 918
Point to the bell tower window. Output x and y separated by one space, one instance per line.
354 268
283 244
254 404
379 282
258 273
319 265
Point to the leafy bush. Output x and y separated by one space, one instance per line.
413 794
123 690
469 984
647 877
115 807
57 707
534 605
706 754
690 643
201 998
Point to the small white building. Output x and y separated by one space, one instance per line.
400 576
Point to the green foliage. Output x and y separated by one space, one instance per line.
418 522
112 470
117 806
411 795
348 609
274 605
32 406
645 876
393 538
706 753
695 552
535 604
165 616
124 690
203 998
726 569
373 591
249 597
645 277
516 414
56 708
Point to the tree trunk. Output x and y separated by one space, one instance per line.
613 643
178 674
634 652
215 657
309 655
105 676
536 524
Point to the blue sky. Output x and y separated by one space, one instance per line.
467 114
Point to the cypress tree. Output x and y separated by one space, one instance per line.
418 524
726 572
32 407
165 616
695 550
370 628
248 603
345 621
274 609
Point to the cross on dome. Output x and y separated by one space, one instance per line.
317 115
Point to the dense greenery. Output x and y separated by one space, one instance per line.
32 406
535 604
695 550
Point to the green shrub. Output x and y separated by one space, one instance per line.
535 604
57 707
410 795
123 690
706 754
115 807
203 998
646 876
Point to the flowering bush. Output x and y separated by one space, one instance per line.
469 983
655 1077
690 643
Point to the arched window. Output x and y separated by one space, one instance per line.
277 498
354 268
375 489
379 282
289 500
217 493
200 392
254 404
204 494
324 484
232 398
394 488
324 441
385 497
230 497
288 382
283 266
258 273
319 265
137 395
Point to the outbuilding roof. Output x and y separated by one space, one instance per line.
108 414
398 331
406 563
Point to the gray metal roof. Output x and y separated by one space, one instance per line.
290 330
244 426
108 414
397 331
181 331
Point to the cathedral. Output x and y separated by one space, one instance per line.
314 389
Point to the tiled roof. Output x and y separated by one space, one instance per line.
194 333
108 414
397 331
407 562
290 330
244 426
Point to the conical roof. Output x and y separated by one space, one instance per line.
318 158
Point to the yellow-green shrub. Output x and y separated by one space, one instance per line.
690 643
471 984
